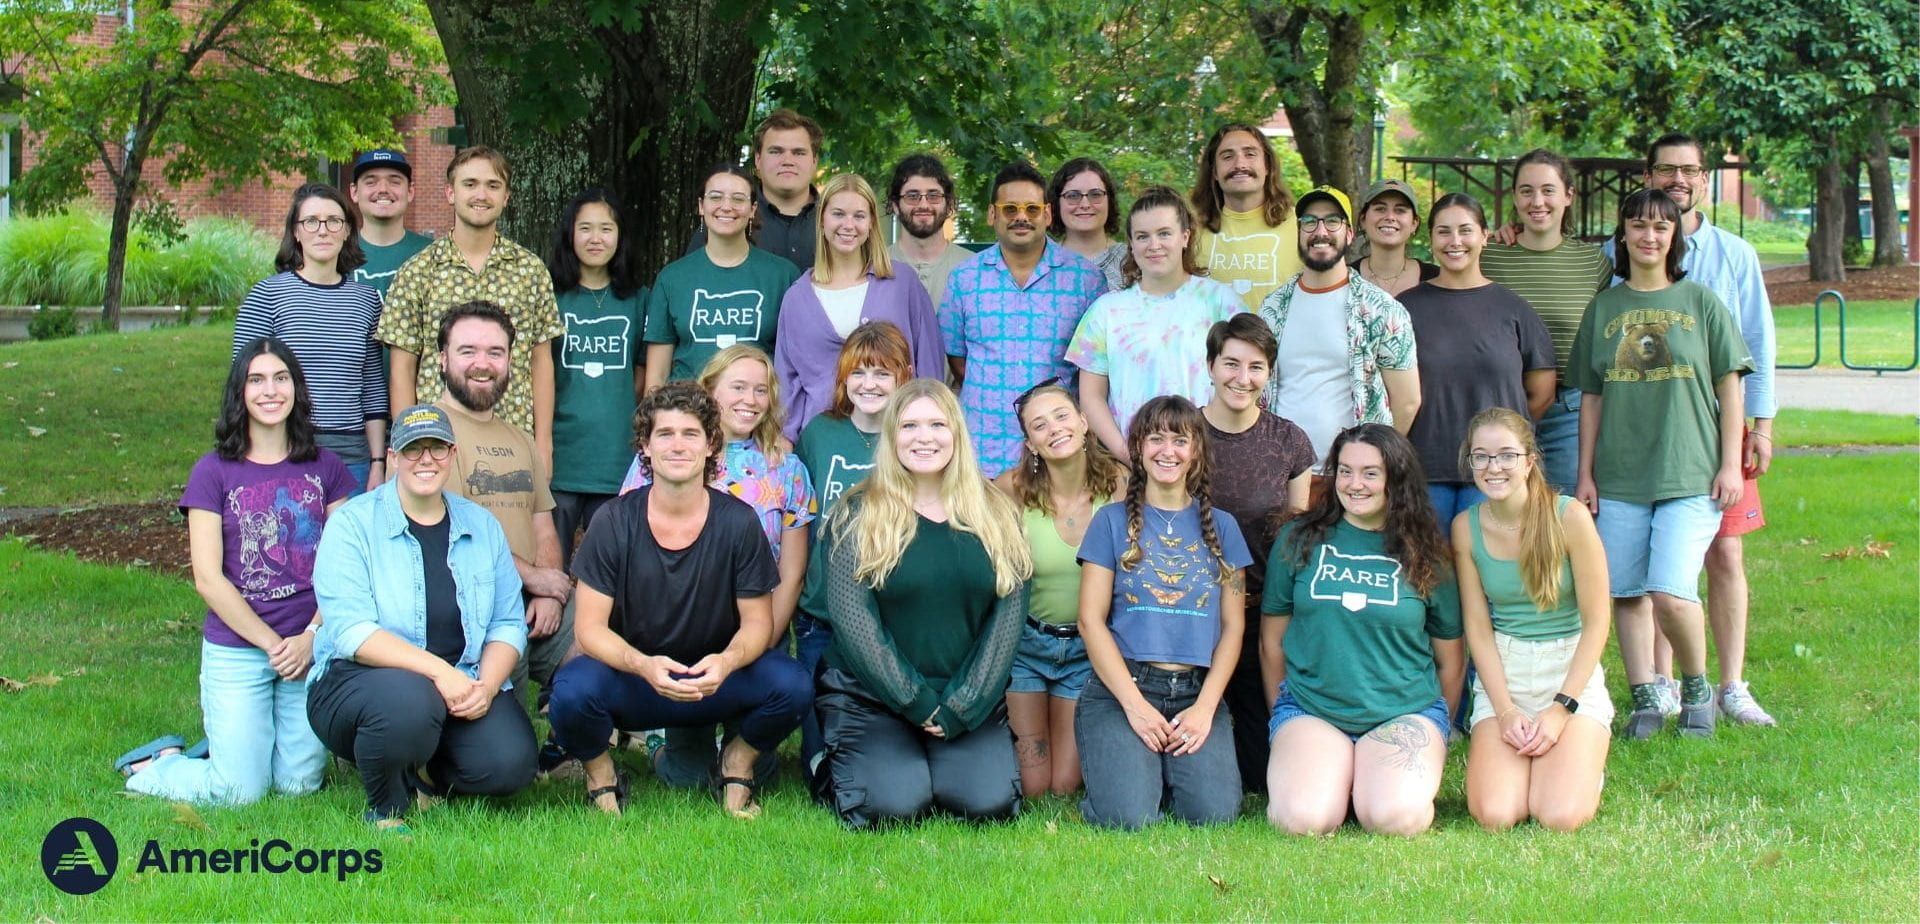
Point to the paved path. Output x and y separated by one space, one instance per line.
1829 390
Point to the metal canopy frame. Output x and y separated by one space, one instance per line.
1599 184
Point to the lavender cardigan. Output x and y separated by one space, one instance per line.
806 354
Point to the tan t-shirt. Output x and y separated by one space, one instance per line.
1249 255
498 468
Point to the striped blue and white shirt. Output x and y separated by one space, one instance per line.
330 329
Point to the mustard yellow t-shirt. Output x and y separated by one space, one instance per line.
1249 255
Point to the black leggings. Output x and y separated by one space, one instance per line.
880 767
388 722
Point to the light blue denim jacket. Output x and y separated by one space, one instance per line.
368 574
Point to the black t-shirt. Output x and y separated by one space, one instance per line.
676 603
446 638
1476 345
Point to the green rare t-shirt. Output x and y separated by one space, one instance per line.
838 456
383 260
700 308
594 362
1653 357
1359 647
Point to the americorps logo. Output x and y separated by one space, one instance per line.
79 856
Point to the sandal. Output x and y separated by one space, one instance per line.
618 791
751 809
196 750
147 752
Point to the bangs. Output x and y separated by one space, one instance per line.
1649 204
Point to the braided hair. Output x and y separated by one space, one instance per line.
1172 414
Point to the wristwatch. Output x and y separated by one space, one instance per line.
1572 705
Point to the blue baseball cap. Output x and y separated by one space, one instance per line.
420 422
381 157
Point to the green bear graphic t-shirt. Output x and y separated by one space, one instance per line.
701 308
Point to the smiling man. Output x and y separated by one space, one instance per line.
1010 311
474 263
1346 353
1246 227
382 189
921 197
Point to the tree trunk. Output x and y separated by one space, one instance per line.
671 102
1825 246
1853 244
1886 211
1331 113
117 237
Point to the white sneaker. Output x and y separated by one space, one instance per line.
1666 691
1739 706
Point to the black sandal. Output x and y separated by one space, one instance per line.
752 809
618 791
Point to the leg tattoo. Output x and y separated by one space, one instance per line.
1407 736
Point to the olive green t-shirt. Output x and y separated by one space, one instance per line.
701 308
1653 357
1359 641
1558 283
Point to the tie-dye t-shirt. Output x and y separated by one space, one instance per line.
780 495
270 520
1152 345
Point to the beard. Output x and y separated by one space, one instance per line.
932 227
1320 266
476 398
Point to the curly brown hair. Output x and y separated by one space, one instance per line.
1412 534
687 398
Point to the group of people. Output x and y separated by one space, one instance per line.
1216 493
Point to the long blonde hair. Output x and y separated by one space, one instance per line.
766 434
873 253
880 521
1543 542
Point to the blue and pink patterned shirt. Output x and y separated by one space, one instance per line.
1012 337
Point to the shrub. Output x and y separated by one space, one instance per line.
53 323
61 259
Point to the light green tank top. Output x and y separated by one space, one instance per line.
1514 613
1053 595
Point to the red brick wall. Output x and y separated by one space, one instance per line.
265 204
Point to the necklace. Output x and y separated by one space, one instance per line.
1385 281
1168 530
599 298
1489 519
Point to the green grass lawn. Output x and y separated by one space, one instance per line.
1879 333
1815 819
1845 428
1772 252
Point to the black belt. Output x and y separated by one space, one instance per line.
1068 631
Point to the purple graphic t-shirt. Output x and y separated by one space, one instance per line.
270 519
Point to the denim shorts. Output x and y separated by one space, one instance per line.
1658 547
1285 710
1045 664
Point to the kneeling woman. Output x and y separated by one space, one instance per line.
926 572
424 623
1361 634
675 612
1533 597
265 486
1169 573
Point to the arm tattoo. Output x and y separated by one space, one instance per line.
1407 736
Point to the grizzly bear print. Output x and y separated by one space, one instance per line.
1643 347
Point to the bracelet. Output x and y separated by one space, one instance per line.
313 627
1759 436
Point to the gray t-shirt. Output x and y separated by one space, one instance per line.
933 273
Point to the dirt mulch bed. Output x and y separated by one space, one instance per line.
151 535
1788 285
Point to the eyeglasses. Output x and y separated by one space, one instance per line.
332 224
439 451
717 198
916 197
1479 461
1075 197
1330 222
1690 171
1012 210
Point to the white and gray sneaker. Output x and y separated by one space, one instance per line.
1666 693
1738 705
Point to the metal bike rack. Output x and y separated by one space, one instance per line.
1841 301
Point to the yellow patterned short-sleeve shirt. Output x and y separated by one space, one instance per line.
438 278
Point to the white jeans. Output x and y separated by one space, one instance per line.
258 737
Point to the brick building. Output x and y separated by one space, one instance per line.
424 138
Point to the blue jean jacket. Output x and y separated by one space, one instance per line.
368 574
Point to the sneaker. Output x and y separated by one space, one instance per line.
551 757
1643 724
1666 694
1696 720
1739 706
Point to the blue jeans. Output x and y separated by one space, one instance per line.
1658 547
1451 498
764 699
1050 664
811 639
1127 784
359 471
258 737
1286 709
1558 434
